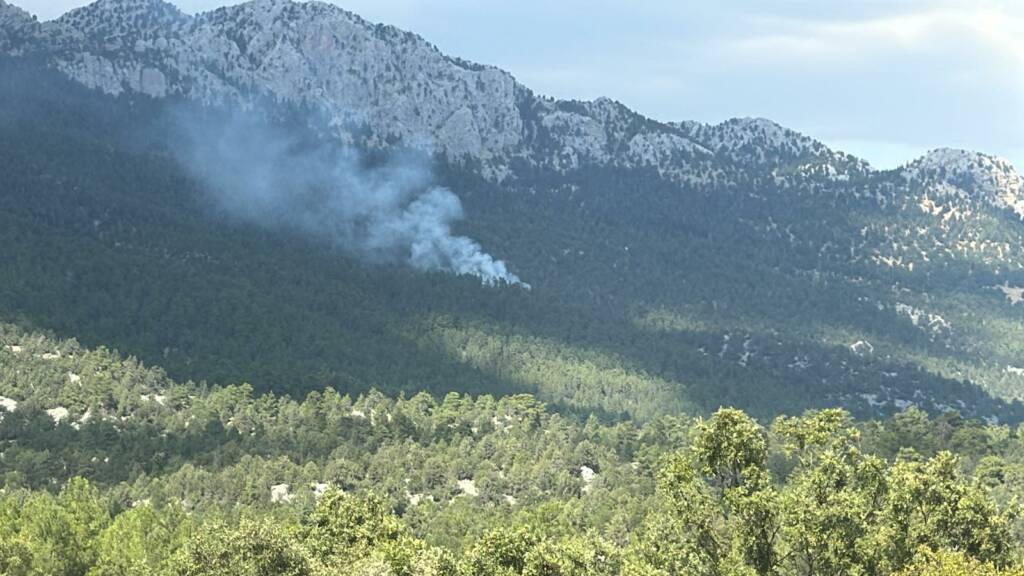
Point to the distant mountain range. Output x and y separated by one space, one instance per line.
675 265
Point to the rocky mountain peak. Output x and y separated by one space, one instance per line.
10 14
381 85
16 25
759 142
981 175
265 13
376 81
749 136
118 24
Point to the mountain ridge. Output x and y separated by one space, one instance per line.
297 51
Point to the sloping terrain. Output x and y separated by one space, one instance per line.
109 466
674 266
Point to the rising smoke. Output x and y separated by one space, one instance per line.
387 213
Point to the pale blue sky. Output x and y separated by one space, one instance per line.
883 79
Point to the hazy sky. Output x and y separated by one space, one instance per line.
884 79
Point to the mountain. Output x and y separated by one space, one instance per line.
380 85
675 266
284 291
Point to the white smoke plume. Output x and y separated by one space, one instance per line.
384 213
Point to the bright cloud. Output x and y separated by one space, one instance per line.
995 30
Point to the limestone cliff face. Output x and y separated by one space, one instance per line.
977 176
386 84
16 28
380 85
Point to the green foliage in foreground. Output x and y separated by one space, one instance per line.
719 509
109 467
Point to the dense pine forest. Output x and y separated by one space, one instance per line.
110 467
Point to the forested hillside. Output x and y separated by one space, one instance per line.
110 467
110 240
